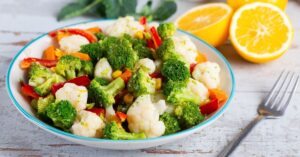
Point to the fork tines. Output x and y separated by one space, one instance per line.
282 92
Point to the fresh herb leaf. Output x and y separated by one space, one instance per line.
116 8
166 9
76 9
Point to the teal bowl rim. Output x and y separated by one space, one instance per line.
56 131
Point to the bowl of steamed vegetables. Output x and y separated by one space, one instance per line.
120 84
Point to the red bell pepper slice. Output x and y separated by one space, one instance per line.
80 81
192 67
143 20
210 107
122 116
156 75
155 37
45 62
29 91
89 36
97 111
150 44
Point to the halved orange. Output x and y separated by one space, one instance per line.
235 4
260 32
209 22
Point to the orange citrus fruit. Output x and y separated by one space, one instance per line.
209 22
235 4
260 32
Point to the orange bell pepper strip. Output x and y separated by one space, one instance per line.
94 30
218 94
201 58
49 53
126 75
121 116
89 36
45 62
82 56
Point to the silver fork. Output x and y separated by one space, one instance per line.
273 106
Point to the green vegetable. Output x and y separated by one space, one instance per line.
68 66
42 103
167 50
166 9
115 132
76 9
178 92
100 36
175 70
87 68
120 53
141 83
104 94
42 79
166 30
188 115
117 8
62 114
93 50
171 123
140 46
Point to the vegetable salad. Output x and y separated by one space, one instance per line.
131 80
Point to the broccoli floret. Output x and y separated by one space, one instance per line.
42 79
100 36
87 68
67 66
175 70
120 53
140 46
94 50
178 92
143 51
188 115
171 123
166 30
167 51
115 132
104 95
61 113
42 103
141 83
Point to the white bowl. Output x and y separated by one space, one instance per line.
35 49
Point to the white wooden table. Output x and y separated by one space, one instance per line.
23 20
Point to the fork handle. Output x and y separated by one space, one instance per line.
233 144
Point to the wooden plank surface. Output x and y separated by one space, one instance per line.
23 20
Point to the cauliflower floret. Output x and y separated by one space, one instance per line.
199 89
124 25
103 69
186 48
159 102
147 63
72 43
87 124
142 116
77 95
208 73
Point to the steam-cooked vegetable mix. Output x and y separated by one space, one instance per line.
131 80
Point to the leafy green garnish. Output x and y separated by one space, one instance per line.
116 8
